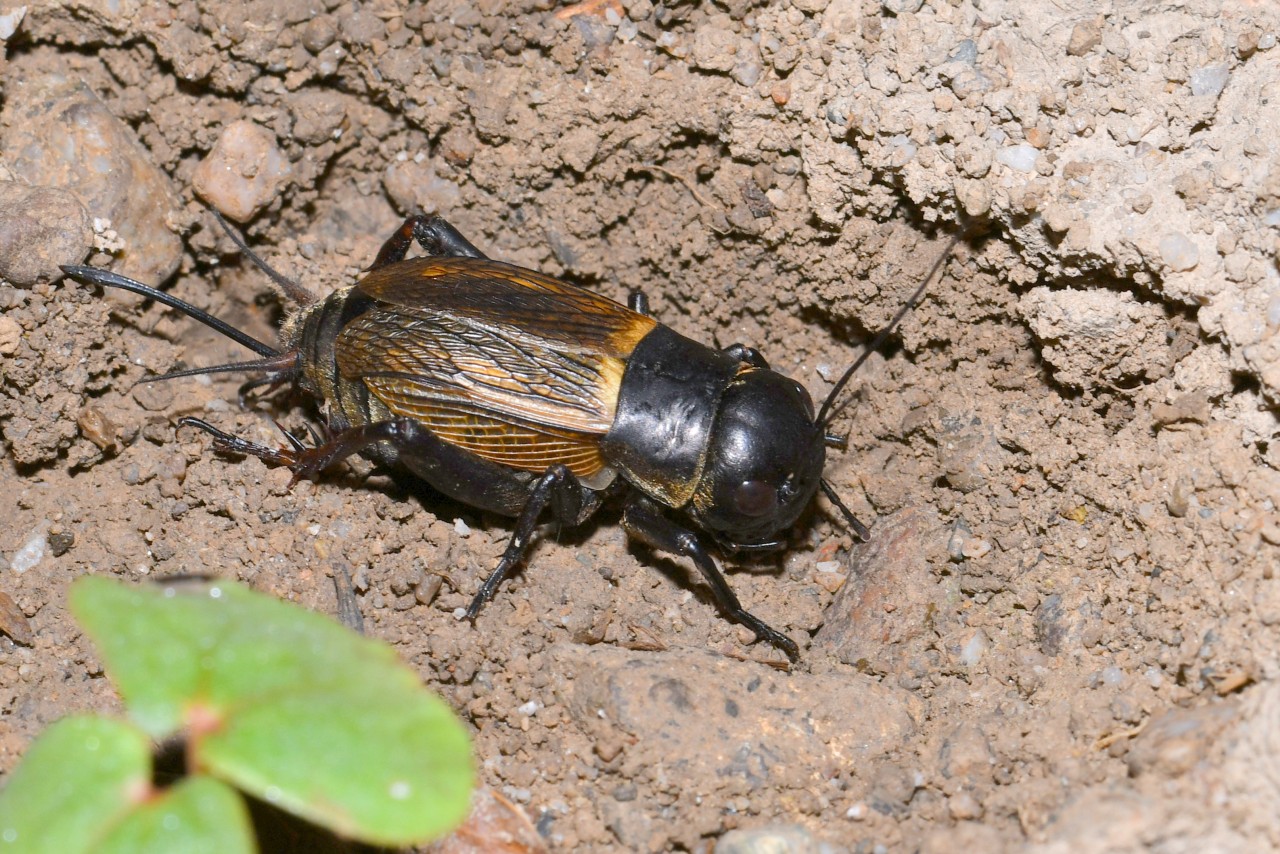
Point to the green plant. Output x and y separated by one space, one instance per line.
271 699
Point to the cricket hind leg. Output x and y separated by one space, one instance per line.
433 233
453 471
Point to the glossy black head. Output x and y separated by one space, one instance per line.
764 462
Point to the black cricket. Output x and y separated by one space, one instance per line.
514 392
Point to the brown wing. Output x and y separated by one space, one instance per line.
517 367
502 295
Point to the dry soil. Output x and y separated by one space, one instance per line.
1063 634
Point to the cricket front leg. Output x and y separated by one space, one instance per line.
645 521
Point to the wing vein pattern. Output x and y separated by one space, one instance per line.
519 368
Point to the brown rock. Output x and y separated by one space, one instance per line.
707 715
40 228
1177 740
56 133
893 602
243 173
1085 37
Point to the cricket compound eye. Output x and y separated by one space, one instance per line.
755 498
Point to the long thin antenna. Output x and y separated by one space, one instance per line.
106 278
884 333
284 365
858 528
293 291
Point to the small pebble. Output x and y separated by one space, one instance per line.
959 535
748 68
460 527
966 52
1021 157
1085 37
1140 203
1209 80
1179 252
60 542
98 428
774 839
831 581
31 552
975 648
243 173
1112 675
714 48
318 34
519 795
13 622
10 20
425 593
10 334
964 807
1179 499
904 150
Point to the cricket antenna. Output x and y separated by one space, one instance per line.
826 412
293 291
277 368
108 279
834 497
